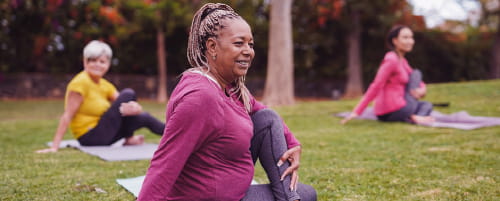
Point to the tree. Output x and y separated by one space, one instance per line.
495 53
359 19
162 65
491 16
354 85
162 16
279 87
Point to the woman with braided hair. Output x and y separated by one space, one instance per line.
216 130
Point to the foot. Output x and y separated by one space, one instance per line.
134 140
422 120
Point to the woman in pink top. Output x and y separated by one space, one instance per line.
397 87
216 130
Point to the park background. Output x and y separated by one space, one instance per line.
333 44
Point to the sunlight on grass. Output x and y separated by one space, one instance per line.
363 160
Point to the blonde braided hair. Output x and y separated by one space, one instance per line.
206 24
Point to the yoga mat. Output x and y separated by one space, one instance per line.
114 152
459 120
133 185
76 144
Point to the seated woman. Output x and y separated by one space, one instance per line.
94 110
216 130
397 87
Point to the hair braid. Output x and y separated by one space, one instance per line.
206 24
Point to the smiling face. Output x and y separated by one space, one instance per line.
233 50
96 67
404 41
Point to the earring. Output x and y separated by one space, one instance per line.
214 57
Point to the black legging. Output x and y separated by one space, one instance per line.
113 126
268 145
413 106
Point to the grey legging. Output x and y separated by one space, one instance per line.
413 106
113 126
268 145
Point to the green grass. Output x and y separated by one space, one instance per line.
363 160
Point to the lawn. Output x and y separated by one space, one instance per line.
363 160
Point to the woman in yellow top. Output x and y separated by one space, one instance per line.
94 110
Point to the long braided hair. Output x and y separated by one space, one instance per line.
206 24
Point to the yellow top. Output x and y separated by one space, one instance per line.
96 101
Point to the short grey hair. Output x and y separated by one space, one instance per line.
96 49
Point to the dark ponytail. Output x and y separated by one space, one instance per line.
393 33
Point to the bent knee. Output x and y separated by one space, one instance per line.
265 117
306 192
427 105
128 94
265 114
127 91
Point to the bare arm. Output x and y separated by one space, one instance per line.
114 97
349 118
293 156
420 92
74 102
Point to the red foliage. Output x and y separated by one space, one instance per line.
40 42
77 35
113 40
455 37
52 5
73 13
416 22
328 9
111 14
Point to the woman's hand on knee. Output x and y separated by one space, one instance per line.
293 157
130 108
418 93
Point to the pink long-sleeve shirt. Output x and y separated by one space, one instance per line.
388 87
204 153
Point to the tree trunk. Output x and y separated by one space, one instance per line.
354 86
279 88
495 54
162 66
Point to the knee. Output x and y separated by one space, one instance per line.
416 75
427 105
143 116
128 94
307 193
265 117
128 91
417 72
415 79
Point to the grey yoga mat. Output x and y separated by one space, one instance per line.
114 152
133 185
459 120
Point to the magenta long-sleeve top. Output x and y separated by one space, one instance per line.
204 153
388 87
